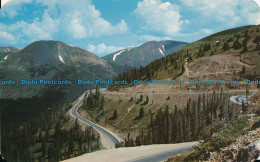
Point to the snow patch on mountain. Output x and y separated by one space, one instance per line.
101 61
163 48
6 57
61 59
161 51
117 54
70 45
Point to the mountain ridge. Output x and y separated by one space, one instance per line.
144 53
51 60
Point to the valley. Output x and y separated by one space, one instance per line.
139 117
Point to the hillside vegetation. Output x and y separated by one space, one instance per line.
241 43
228 143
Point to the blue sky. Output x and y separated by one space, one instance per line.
105 26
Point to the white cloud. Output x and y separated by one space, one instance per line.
206 31
152 38
81 19
6 37
161 17
102 49
37 30
231 12
76 20
12 7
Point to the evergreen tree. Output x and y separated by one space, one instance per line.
114 117
237 45
257 47
141 98
226 47
147 100
243 70
141 114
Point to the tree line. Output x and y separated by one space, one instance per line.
199 119
47 137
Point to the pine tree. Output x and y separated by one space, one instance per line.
245 45
226 47
237 45
141 98
44 148
257 47
244 107
141 114
102 102
243 70
98 142
147 100
167 126
114 115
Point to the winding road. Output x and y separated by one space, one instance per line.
149 153
108 139
241 99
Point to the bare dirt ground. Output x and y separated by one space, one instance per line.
255 98
222 66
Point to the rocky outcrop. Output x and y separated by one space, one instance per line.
249 152
246 148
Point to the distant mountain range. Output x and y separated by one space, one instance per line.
144 54
50 60
8 49
4 51
55 60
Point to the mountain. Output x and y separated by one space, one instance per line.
228 55
8 49
4 51
50 60
145 53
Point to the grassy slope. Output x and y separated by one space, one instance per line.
249 57
128 110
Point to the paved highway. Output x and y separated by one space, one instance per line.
181 93
149 153
241 99
108 139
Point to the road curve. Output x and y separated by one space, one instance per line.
241 99
108 139
149 153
